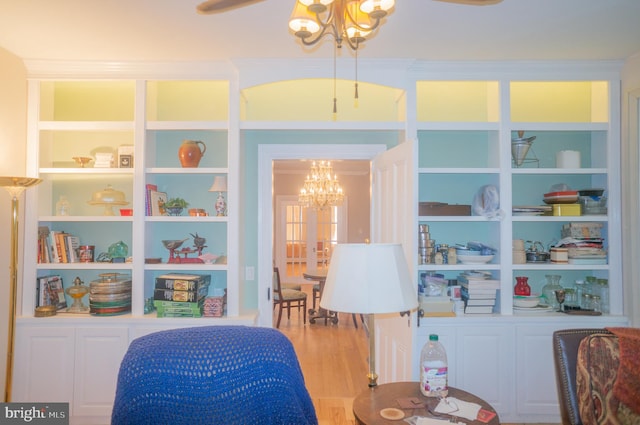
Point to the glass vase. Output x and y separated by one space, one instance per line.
549 290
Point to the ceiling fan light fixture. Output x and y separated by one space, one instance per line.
377 9
358 26
316 6
302 23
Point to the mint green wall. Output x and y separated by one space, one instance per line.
250 140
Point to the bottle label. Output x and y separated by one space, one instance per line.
434 379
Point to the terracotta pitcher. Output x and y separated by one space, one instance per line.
190 153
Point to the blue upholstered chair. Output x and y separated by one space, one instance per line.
211 375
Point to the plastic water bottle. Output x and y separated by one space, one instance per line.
433 369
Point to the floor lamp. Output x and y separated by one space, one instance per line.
369 279
15 186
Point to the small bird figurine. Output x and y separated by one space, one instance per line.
198 242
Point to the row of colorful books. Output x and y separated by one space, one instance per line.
57 246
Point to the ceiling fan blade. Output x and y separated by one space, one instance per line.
218 6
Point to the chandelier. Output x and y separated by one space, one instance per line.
321 188
345 20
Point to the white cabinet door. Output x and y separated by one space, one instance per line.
99 352
485 359
44 364
536 383
479 357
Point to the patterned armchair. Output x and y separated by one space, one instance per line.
598 375
212 375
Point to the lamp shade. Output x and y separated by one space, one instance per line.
368 279
219 184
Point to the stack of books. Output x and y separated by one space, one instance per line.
103 160
479 292
181 294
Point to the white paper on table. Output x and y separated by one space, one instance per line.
432 421
458 408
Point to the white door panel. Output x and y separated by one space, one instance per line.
393 218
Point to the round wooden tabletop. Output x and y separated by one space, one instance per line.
406 397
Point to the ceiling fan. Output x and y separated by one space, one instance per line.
218 6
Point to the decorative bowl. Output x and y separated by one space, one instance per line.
475 259
126 211
522 301
82 160
467 251
174 210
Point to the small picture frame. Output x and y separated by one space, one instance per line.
125 156
125 161
455 292
158 201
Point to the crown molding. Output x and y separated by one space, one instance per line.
209 70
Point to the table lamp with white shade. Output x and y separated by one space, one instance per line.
220 185
369 279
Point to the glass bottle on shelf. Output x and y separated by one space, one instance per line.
549 290
63 206
590 285
603 293
570 297
579 288
596 304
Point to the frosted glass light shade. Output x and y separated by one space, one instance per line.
302 22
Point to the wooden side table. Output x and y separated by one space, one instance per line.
367 406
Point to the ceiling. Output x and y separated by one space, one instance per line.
171 30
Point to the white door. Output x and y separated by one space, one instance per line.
393 218
305 238
266 155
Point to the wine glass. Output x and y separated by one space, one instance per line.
560 295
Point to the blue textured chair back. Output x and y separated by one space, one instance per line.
223 375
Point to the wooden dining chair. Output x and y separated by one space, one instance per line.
287 298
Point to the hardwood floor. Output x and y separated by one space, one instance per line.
333 359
